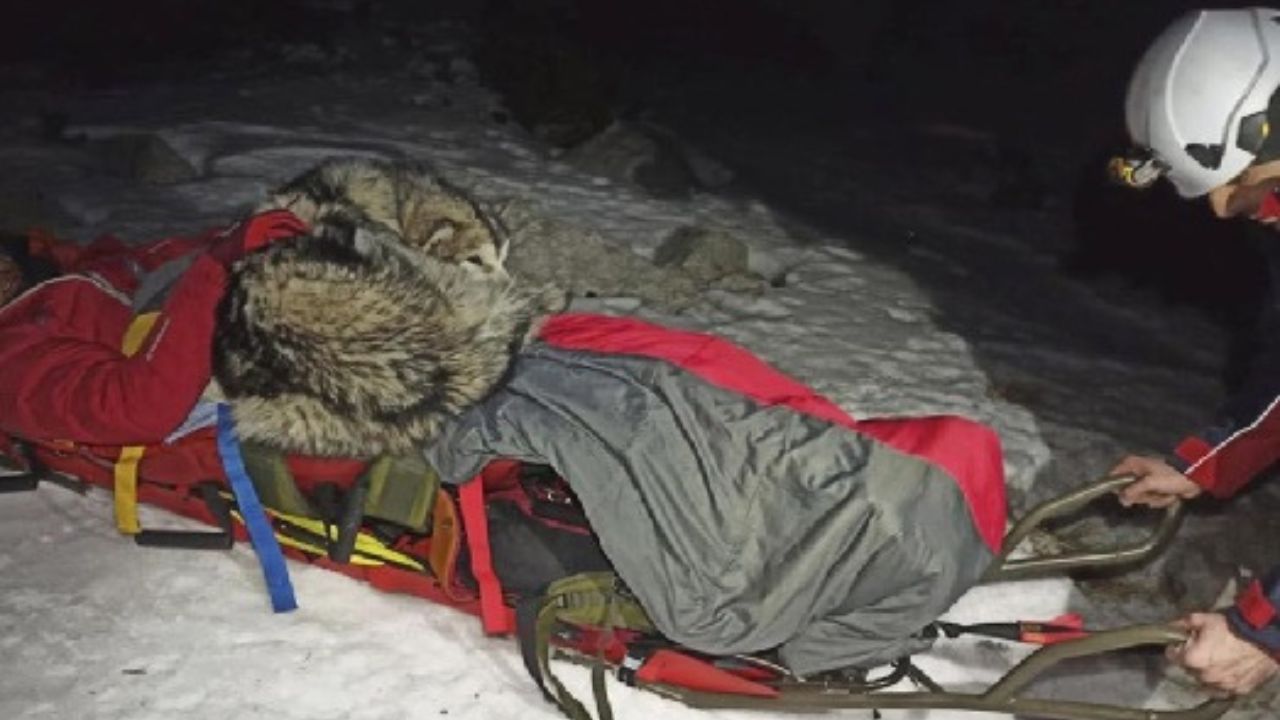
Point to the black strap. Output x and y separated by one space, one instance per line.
29 478
920 677
221 539
638 653
24 482
1011 631
349 521
327 498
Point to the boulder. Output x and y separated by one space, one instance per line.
143 157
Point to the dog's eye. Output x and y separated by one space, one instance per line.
475 260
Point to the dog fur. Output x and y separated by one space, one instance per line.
406 199
351 343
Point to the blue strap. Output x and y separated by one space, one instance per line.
254 517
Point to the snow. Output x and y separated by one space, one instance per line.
919 312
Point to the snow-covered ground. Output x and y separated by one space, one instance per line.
919 309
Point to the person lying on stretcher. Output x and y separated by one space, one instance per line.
66 375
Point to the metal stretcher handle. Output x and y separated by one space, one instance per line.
1002 697
1040 566
1006 690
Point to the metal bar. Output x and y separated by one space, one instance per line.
1022 568
1037 663
1003 697
816 699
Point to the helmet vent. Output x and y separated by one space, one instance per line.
1253 132
1209 156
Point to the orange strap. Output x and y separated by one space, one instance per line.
446 539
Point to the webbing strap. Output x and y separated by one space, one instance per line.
368 549
125 472
125 475
538 618
494 616
588 599
134 335
254 516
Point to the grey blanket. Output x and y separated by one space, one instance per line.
740 527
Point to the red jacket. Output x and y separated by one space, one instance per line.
64 375
1224 461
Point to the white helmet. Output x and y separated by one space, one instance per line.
1197 102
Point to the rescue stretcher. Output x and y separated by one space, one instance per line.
578 618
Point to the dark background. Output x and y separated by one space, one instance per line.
1027 68
1039 84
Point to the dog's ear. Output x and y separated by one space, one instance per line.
295 201
442 230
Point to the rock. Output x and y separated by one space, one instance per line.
706 255
143 157
546 250
709 172
741 284
625 152
562 129
650 156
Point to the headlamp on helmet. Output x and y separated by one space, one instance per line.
1137 169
